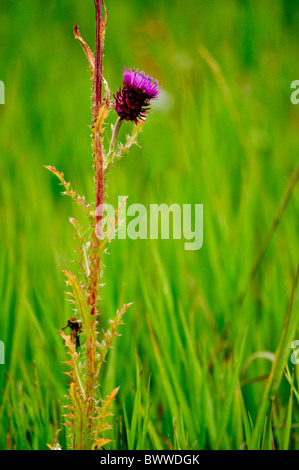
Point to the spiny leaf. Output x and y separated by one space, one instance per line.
80 298
114 155
108 335
80 201
101 442
86 48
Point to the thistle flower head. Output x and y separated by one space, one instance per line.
132 101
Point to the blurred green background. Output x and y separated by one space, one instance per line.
225 137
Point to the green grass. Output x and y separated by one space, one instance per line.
191 362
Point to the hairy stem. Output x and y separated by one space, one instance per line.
97 87
95 259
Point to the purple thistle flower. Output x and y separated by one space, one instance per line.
132 101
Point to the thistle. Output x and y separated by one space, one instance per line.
87 412
133 100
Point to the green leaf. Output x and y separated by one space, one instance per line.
288 425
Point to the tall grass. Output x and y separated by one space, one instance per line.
195 366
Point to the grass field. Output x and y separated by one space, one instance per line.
194 361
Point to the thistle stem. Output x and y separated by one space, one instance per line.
98 72
97 101
95 259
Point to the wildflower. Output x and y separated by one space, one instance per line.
132 101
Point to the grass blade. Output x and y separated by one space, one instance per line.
281 357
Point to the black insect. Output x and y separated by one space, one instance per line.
75 325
